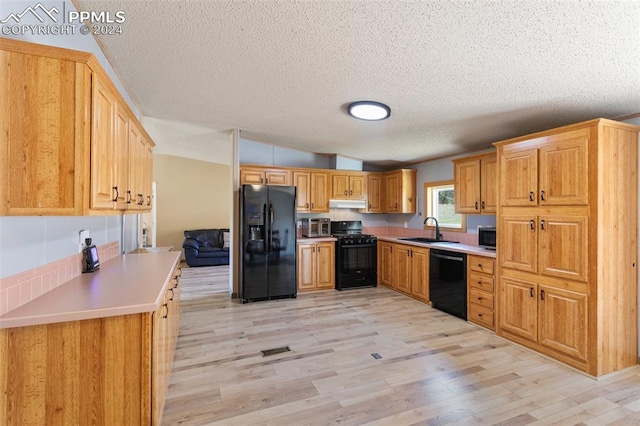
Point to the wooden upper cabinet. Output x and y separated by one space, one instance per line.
302 182
121 162
489 184
63 134
475 182
264 176
519 177
319 192
348 186
564 169
555 173
43 131
399 189
466 177
374 193
103 146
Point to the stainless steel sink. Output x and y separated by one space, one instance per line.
426 240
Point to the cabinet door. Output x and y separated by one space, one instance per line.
148 175
357 187
420 274
402 263
306 267
467 186
326 265
374 193
564 172
489 184
385 263
518 313
121 181
302 182
102 146
563 321
518 242
519 177
319 192
276 177
251 177
135 157
339 186
563 247
391 192
40 151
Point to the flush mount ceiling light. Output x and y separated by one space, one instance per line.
369 110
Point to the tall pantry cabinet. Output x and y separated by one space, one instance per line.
567 244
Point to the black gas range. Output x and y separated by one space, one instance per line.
356 255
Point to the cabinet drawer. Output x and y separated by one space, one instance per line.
481 281
481 315
480 297
481 264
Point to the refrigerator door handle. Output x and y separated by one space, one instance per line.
265 230
270 231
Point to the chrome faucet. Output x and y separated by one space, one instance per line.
438 234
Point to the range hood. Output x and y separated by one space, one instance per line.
347 204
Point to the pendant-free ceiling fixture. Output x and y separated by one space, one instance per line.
369 110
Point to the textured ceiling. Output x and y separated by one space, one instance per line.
457 75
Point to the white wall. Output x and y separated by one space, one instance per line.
29 242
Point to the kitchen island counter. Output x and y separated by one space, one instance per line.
128 284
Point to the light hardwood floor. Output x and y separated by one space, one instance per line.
434 369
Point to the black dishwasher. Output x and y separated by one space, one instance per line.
448 282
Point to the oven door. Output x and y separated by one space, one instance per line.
356 266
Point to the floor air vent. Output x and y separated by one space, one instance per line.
276 351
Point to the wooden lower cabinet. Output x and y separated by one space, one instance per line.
551 319
480 287
108 371
404 268
316 266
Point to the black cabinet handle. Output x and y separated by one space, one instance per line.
531 196
541 294
128 197
542 195
172 293
542 225
476 205
532 224
116 197
148 200
345 192
531 291
483 205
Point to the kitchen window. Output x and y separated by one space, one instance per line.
439 200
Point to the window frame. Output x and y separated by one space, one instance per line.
428 187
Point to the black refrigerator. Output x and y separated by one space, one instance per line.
268 235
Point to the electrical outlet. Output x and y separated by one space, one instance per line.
84 234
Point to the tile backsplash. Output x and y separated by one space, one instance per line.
18 289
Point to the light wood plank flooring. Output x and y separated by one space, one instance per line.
434 369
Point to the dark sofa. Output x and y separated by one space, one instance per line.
205 247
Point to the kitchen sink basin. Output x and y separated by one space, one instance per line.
426 240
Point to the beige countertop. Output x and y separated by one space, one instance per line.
127 284
313 240
462 248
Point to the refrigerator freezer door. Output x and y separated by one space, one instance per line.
254 234
282 241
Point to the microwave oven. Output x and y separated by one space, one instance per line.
487 237
316 227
